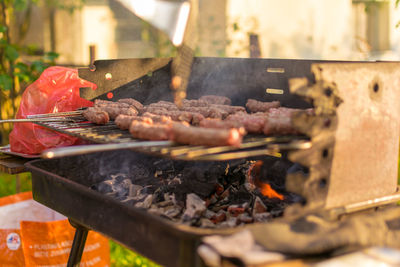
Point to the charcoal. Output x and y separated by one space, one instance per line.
219 188
118 178
262 217
235 210
218 217
231 222
164 164
211 200
103 187
258 206
120 189
202 189
249 186
199 194
219 207
195 207
165 203
158 173
225 194
172 211
245 218
128 201
155 210
134 190
146 203
175 181
126 183
209 214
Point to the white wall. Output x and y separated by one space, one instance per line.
319 29
292 28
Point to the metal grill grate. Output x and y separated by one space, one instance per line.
252 145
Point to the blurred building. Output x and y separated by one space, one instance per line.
328 29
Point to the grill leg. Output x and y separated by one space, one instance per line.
77 245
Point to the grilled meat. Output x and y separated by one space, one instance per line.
124 121
216 99
157 118
279 124
148 131
222 124
252 124
132 102
96 115
258 106
202 136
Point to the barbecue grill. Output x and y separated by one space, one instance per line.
349 148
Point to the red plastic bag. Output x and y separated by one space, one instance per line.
56 90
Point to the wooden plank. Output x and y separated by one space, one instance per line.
12 165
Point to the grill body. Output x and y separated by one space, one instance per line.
361 140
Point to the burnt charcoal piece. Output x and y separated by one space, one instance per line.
231 222
146 203
218 217
262 217
195 207
245 218
129 201
118 178
258 206
134 190
236 210
164 165
103 187
172 211
274 172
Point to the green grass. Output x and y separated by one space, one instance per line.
120 256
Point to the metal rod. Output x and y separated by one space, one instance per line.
85 149
78 245
36 120
236 155
57 114
366 204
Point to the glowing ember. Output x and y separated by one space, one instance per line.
265 188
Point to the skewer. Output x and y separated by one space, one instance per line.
57 114
36 120
85 149
271 150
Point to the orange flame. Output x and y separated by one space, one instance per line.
266 190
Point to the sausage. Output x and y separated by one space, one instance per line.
258 106
191 135
124 121
146 131
96 115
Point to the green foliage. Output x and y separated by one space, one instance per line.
121 257
6 82
8 183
